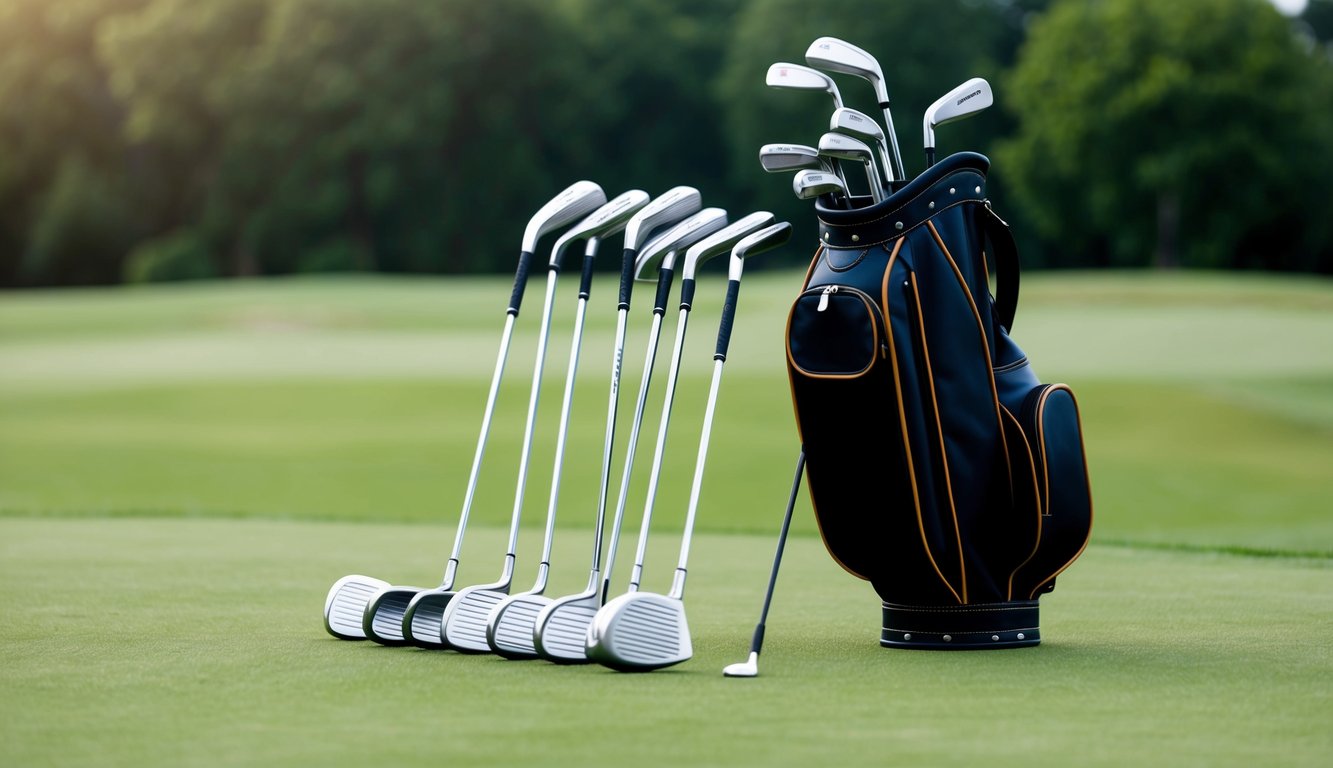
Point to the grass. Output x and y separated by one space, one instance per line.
184 470
197 642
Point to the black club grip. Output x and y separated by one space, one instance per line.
664 278
728 315
520 282
626 277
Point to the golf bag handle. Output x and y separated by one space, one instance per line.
1005 251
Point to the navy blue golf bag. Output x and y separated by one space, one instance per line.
940 468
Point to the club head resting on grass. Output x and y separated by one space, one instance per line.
642 631
559 627
419 622
509 627
347 607
965 100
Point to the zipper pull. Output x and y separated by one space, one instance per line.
823 297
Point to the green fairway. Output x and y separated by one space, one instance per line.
181 643
184 470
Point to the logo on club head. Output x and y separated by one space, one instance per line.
973 94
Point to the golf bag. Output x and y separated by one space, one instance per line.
940 468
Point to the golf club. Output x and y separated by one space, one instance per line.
463 624
721 242
835 55
547 631
642 631
509 625
346 607
809 184
799 77
859 125
965 100
659 254
778 158
844 147
750 667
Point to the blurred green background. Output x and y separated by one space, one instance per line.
145 140
254 262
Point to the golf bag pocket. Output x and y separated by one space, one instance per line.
1050 420
836 355
834 332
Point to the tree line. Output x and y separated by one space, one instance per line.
147 140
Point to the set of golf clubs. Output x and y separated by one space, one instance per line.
637 630
853 137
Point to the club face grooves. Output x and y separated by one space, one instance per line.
511 626
345 605
561 633
639 632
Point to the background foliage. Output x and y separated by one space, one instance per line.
145 140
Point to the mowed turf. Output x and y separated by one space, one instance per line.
184 470
199 642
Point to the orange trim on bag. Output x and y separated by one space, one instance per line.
1036 541
902 422
939 430
1087 479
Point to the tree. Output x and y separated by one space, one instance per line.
1170 133
59 129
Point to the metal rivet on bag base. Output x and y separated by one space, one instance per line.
978 190
952 190
995 637
948 638
825 235
856 238
931 205
1021 636
907 636
898 225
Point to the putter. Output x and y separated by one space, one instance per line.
642 631
347 613
721 242
750 667
835 55
550 625
965 100
659 254
799 77
509 625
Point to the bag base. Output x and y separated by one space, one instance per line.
962 627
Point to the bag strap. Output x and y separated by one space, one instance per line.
1005 253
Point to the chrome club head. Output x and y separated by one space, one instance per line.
965 100
784 74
